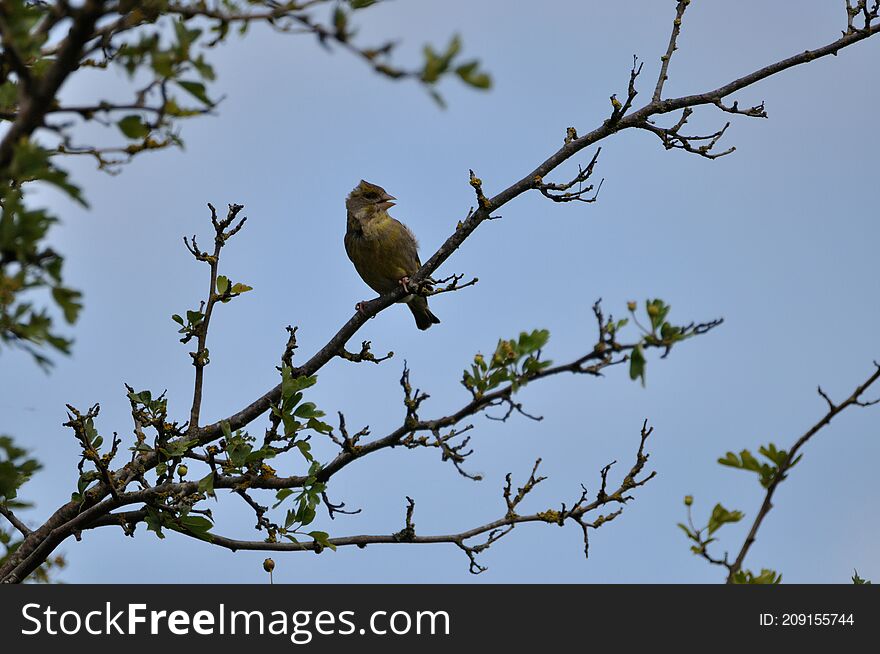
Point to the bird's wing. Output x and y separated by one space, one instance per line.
410 246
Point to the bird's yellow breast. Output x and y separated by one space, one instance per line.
382 250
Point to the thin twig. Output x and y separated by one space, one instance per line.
200 356
7 513
665 59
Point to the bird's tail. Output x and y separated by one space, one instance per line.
419 307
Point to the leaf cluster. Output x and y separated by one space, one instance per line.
514 361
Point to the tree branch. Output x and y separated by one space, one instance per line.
528 182
833 409
95 505
7 513
34 106
665 59
580 512
222 233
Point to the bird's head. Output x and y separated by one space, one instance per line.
370 197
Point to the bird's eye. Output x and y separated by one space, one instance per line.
372 195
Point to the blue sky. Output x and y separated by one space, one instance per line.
779 238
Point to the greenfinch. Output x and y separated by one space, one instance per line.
383 250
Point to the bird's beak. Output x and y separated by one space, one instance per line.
387 201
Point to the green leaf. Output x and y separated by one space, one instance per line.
340 21
133 127
197 525
154 521
748 577
194 317
657 311
670 332
206 484
687 530
858 581
144 397
15 468
291 426
69 302
453 48
197 90
307 410
776 455
8 96
746 461
162 62
721 516
532 342
259 456
437 64
306 515
305 449
436 97
637 364
323 539
319 426
222 284
471 75
289 519
205 69
238 453
184 36
291 385
282 495
31 162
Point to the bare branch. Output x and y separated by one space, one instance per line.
757 111
290 347
619 110
673 38
446 285
333 509
561 192
348 443
364 355
701 145
7 513
860 8
409 529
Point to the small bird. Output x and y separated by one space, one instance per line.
383 250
